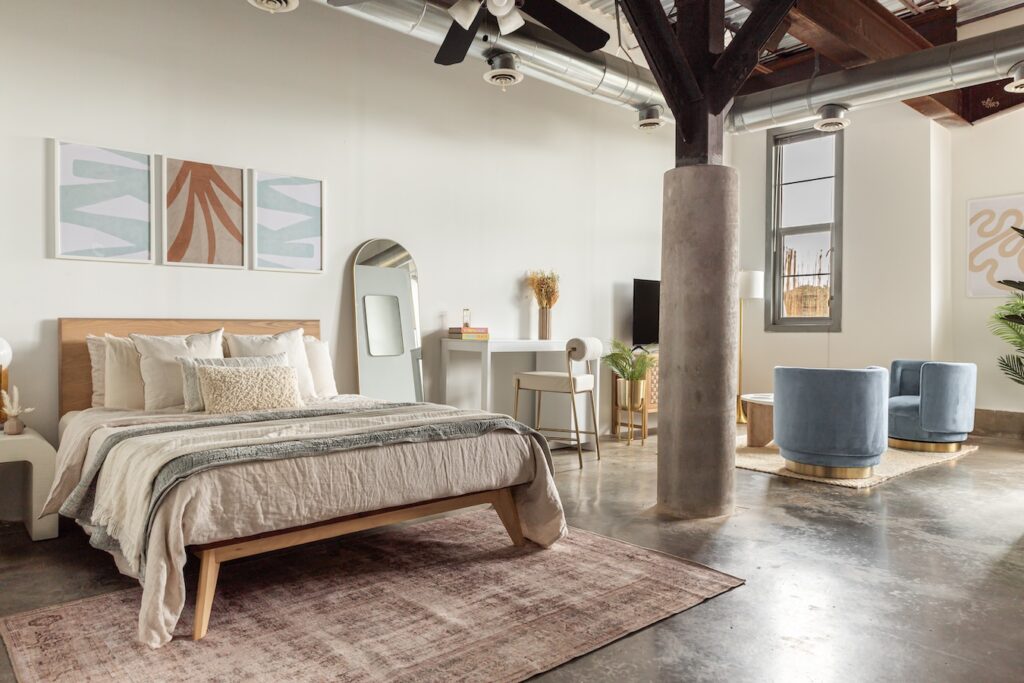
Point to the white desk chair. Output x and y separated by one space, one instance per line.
588 350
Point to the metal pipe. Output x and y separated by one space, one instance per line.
542 54
952 66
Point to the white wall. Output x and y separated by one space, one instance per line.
886 257
986 163
478 184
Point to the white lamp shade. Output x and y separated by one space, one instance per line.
464 12
6 354
511 22
751 284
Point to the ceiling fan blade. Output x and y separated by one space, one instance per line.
567 24
456 44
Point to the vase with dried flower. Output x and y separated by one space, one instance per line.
12 406
545 289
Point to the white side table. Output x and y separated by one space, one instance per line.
30 447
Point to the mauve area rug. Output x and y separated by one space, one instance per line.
446 600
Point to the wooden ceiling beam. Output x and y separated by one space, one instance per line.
855 32
732 68
664 55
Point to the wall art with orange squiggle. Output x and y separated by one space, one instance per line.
204 215
994 251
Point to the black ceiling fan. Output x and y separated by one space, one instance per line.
467 16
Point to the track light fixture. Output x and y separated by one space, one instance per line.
833 118
504 71
650 118
1016 85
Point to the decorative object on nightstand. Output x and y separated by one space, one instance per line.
545 290
31 448
13 409
6 355
633 383
751 286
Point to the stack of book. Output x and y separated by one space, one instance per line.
469 333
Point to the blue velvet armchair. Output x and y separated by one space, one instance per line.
931 404
831 423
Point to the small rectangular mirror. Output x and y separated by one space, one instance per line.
383 325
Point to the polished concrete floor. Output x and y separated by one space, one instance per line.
921 579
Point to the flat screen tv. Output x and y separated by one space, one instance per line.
646 300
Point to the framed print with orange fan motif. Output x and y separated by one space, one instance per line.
204 214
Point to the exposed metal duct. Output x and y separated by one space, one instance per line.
969 62
545 56
542 54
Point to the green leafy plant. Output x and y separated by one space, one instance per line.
1007 323
627 363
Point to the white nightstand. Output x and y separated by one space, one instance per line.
30 447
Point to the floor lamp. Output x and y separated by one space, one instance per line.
5 360
751 286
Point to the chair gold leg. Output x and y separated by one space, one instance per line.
515 404
576 425
597 430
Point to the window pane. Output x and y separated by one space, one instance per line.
806 253
805 296
807 203
813 158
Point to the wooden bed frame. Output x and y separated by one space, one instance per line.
76 394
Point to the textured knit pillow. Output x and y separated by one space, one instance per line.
239 390
190 373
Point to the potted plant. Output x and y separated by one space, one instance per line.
545 290
14 410
630 368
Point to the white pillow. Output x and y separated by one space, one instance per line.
190 373
319 355
122 378
161 373
98 363
236 390
289 342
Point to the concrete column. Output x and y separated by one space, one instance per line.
697 341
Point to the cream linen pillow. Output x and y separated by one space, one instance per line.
98 362
190 373
238 390
161 374
320 366
289 342
122 378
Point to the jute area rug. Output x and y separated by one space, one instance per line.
894 463
446 600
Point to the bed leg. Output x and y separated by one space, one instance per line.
209 567
505 506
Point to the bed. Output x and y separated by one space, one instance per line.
151 486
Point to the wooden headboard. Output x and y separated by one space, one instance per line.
76 370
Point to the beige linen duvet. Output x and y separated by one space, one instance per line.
246 498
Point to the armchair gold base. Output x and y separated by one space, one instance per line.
828 472
924 446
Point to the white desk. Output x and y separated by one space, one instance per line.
486 349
